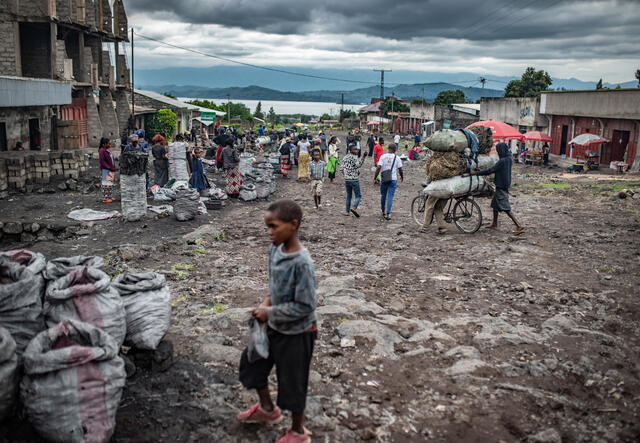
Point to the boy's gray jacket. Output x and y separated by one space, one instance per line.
292 287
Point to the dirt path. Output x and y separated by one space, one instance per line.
484 337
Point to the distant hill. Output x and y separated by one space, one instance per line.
357 96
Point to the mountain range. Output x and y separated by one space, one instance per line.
356 96
228 76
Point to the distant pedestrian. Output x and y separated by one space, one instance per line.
19 146
334 159
197 178
378 151
350 167
260 131
324 147
161 161
107 169
416 139
389 167
500 201
545 153
316 172
303 159
231 170
371 142
285 157
396 139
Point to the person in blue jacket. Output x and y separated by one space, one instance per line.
500 202
197 180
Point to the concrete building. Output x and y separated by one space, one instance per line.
427 118
613 114
71 49
521 113
185 112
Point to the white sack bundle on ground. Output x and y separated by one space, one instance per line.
20 303
457 186
133 195
73 383
447 140
186 205
86 295
59 267
147 302
8 373
33 261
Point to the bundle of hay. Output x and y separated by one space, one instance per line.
442 165
485 138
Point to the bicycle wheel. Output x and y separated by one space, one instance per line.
417 209
467 215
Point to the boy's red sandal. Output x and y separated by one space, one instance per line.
293 437
256 415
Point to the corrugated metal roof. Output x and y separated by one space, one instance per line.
168 100
23 91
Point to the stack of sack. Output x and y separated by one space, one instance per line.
177 152
452 157
133 185
186 206
70 376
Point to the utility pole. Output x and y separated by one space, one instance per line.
342 108
133 89
382 71
483 81
229 110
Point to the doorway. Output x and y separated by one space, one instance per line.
35 138
3 137
619 142
563 140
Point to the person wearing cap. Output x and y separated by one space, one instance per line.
132 146
19 146
350 168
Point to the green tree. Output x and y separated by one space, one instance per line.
638 77
449 97
531 84
272 116
599 84
348 113
259 113
392 104
163 121
325 117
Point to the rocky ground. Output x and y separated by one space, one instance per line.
484 337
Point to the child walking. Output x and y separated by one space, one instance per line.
316 173
350 167
289 312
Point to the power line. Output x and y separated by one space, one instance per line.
266 68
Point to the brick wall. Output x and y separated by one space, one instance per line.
7 47
123 111
120 23
91 19
94 125
123 75
107 17
108 117
17 124
61 54
33 8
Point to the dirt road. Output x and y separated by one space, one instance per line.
485 337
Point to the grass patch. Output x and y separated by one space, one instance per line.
608 269
180 275
178 300
617 187
217 308
182 267
200 250
556 186
220 237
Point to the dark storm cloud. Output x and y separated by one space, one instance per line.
407 19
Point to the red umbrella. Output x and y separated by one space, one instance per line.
500 130
373 123
537 136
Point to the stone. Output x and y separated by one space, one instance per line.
12 228
547 436
334 284
463 352
463 367
219 353
355 305
62 186
27 237
368 434
397 306
384 338
45 235
558 324
210 231
72 184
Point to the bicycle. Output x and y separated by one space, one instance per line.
466 214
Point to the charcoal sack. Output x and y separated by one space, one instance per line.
447 140
59 267
133 163
86 295
147 304
458 186
8 373
186 205
33 261
73 383
20 303
133 196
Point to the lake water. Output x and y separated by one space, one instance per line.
285 107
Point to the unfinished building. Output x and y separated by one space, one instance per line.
74 50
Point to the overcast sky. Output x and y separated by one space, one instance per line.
586 39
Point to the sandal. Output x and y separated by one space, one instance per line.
442 231
493 228
519 231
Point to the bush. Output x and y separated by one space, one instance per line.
164 120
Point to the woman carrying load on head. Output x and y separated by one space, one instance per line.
107 170
161 161
231 170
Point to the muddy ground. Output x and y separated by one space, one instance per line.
484 337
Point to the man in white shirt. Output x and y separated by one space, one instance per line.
396 139
389 166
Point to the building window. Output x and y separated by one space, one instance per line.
3 137
35 50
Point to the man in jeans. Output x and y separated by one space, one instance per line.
388 162
350 167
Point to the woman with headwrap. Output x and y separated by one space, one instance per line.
231 170
285 155
161 161
107 170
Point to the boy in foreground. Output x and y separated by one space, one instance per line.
289 312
